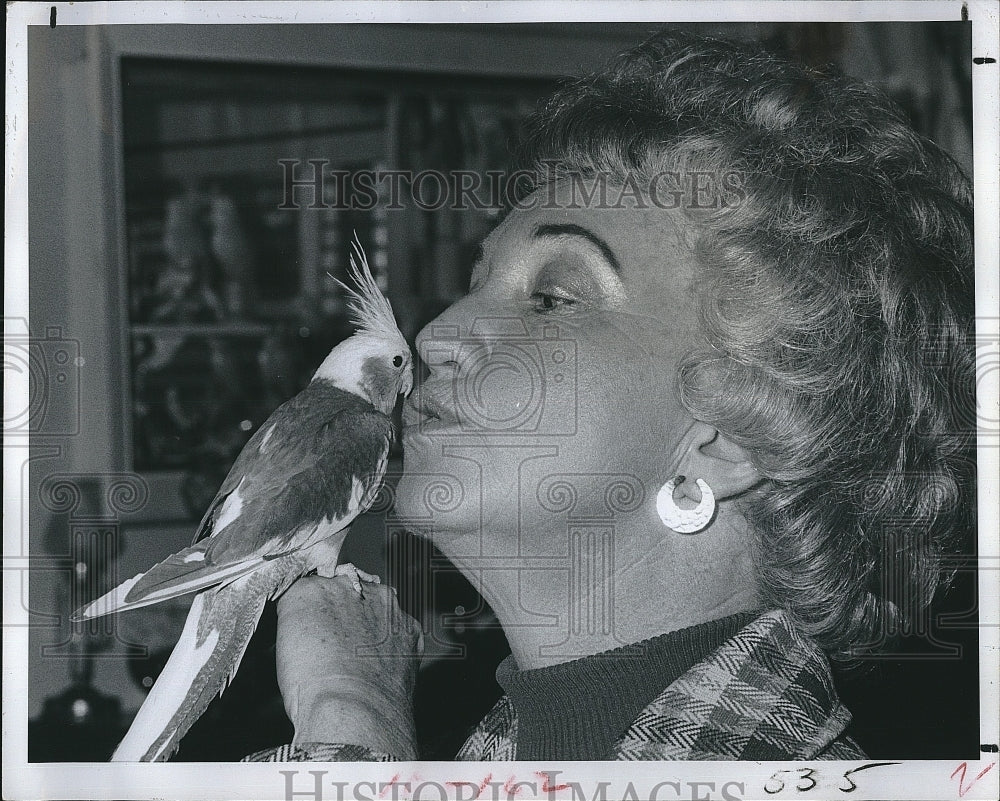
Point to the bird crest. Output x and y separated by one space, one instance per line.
369 308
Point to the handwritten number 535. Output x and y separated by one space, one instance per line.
802 779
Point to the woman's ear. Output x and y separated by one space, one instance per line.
707 453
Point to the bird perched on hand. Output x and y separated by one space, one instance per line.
283 511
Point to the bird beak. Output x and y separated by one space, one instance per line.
407 387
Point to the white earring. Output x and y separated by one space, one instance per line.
685 521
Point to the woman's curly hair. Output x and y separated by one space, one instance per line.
837 303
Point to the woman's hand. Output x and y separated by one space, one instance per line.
347 665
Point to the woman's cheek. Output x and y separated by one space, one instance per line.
628 411
571 397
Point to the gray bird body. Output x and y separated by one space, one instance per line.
283 511
313 466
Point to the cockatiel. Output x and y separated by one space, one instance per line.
284 509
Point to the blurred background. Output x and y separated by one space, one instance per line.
178 294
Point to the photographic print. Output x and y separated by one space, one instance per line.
480 401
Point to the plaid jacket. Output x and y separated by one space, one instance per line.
764 694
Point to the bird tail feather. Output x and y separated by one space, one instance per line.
178 574
216 633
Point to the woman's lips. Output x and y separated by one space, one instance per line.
427 409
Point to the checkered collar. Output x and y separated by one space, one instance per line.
764 694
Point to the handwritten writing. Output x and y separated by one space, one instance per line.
961 770
808 778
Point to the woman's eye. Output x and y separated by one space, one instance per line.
550 301
563 282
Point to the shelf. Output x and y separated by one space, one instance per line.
203 329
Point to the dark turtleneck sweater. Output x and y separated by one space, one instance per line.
577 710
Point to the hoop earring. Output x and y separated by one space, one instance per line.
685 521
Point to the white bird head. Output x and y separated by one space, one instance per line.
375 363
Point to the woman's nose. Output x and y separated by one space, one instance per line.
468 327
503 373
441 342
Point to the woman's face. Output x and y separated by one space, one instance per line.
552 388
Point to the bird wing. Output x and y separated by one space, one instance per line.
372 483
308 470
278 498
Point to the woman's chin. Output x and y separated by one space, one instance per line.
430 500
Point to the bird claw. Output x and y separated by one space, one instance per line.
356 576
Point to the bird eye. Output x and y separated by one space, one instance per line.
397 361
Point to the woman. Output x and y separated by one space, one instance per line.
699 421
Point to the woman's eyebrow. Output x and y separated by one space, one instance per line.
569 229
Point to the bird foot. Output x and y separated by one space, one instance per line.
356 576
